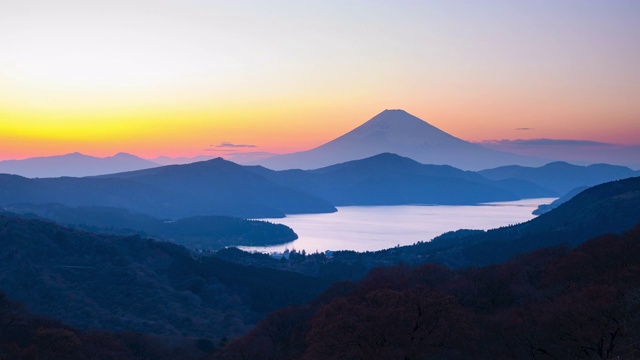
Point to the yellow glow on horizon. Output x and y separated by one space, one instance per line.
175 77
167 129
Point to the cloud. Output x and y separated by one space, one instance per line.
524 129
231 145
228 148
221 150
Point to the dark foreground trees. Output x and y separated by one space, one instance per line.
550 304
26 336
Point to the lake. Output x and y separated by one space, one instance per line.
370 228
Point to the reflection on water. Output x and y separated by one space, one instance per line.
368 228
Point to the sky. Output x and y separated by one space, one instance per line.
191 77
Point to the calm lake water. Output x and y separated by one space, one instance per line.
369 228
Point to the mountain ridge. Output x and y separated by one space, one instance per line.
391 179
74 164
214 187
561 176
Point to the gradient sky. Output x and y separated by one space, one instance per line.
176 77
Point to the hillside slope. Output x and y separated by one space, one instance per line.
550 304
391 179
131 283
214 187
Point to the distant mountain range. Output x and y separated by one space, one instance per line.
561 177
391 131
398 132
390 179
582 152
74 164
215 187
220 187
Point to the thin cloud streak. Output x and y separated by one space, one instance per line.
231 145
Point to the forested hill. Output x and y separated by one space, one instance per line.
201 232
612 207
130 283
549 304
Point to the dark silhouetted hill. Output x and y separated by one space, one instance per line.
218 184
390 179
215 187
131 283
202 232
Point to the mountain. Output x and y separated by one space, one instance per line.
134 284
218 185
390 179
583 152
396 131
74 164
214 187
201 232
561 177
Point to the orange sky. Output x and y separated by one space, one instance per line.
170 78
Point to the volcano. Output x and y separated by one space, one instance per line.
398 132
